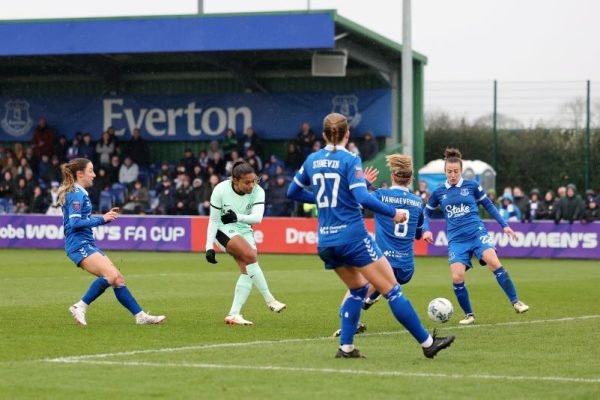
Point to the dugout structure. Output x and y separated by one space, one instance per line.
208 55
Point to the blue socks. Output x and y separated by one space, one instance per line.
126 299
350 313
95 290
405 314
462 295
506 284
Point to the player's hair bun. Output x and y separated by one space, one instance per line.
452 153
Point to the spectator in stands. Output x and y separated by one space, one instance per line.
591 211
42 166
203 158
101 182
508 210
305 140
520 201
548 206
534 206
129 171
251 140
23 165
561 192
181 172
113 169
279 204
7 185
73 150
294 157
87 148
198 173
166 196
570 207
19 152
253 158
213 148
105 148
32 160
137 149
43 139
30 180
352 148
590 195
60 149
53 171
22 197
188 161
230 143
10 166
317 146
52 200
165 170
273 165
423 192
198 196
38 202
369 147
138 199
114 138
218 164
183 197
213 180
233 157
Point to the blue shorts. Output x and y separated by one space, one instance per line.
82 252
463 251
403 275
356 254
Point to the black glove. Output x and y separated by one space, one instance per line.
229 217
210 256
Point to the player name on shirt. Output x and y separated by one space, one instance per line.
326 164
402 201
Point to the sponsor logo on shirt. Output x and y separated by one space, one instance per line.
76 205
453 211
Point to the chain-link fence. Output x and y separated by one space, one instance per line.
533 133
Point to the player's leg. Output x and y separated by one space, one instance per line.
243 249
380 275
350 310
360 328
457 270
490 258
100 265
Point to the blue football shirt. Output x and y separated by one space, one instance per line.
459 204
397 240
78 208
333 175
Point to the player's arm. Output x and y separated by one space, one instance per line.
255 216
419 231
213 226
489 206
75 218
362 196
297 189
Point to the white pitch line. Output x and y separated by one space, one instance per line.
296 340
560 379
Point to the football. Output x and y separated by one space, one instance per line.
440 310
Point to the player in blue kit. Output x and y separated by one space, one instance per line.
395 240
467 236
81 248
339 189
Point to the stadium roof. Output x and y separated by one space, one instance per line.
191 43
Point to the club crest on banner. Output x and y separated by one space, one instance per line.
17 121
347 105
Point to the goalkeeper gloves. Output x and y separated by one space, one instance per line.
229 217
210 256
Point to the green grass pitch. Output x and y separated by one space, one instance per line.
551 352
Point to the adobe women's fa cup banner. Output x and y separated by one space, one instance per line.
289 236
202 117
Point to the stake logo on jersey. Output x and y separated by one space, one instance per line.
460 206
332 176
397 240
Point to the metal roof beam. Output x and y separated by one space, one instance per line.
367 57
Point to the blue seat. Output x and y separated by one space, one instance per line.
119 193
105 202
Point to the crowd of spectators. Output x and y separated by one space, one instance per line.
127 178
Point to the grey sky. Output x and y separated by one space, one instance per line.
510 40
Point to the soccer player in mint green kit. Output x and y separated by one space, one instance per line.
467 236
235 205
